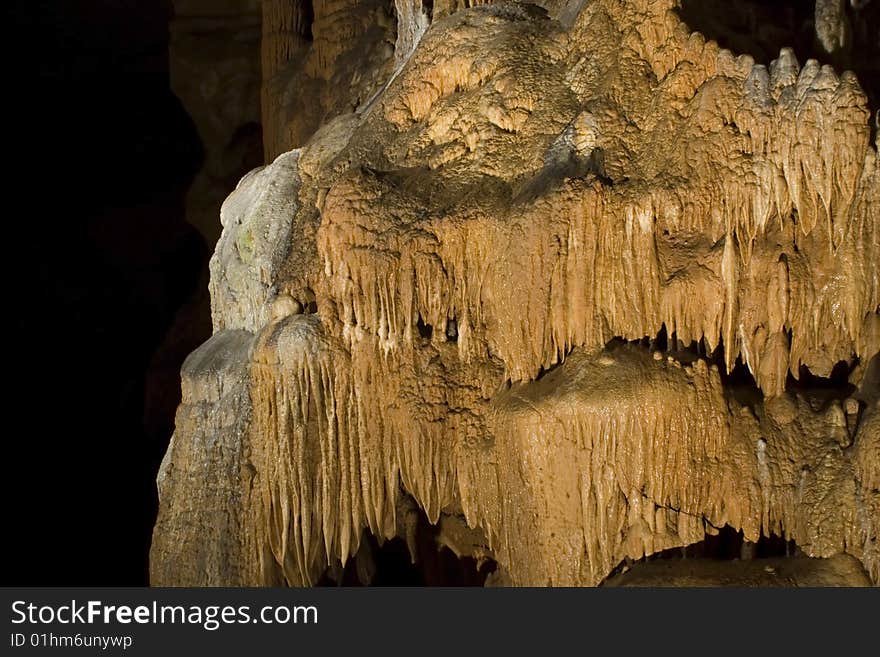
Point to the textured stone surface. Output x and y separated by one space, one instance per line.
442 283
840 570
201 480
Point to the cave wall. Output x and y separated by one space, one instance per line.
452 290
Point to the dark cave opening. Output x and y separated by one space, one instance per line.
124 264
425 330
309 302
390 562
753 27
837 380
730 544
739 381
724 544
452 330
761 29
304 19
738 377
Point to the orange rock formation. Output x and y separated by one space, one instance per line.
452 289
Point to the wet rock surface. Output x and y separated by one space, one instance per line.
575 275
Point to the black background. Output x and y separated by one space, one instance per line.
98 261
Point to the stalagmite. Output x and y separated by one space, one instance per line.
204 474
525 286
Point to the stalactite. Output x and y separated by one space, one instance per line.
803 186
435 283
412 21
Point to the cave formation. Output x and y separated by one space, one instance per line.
565 291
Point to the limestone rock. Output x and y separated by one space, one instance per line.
840 570
204 473
457 285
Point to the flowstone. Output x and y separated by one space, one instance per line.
453 293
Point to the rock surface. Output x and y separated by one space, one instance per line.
840 570
454 290
214 59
